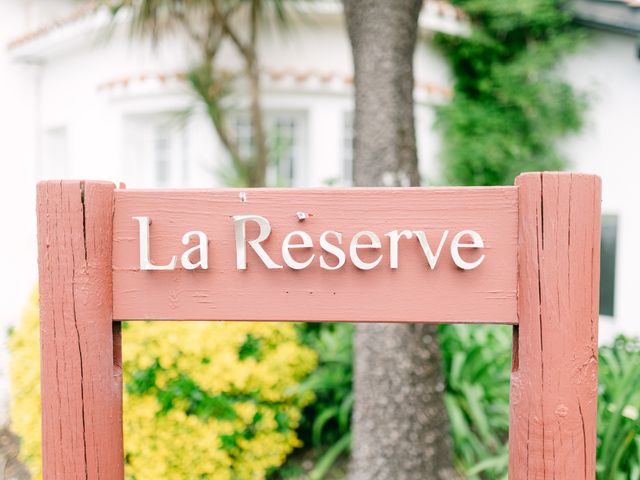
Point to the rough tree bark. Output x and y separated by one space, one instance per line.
400 425
259 177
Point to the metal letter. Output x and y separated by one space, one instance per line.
145 262
456 246
431 258
354 246
202 246
241 234
394 238
286 246
332 249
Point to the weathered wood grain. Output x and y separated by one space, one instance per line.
550 223
81 387
554 378
412 293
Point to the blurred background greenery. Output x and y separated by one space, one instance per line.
274 401
251 400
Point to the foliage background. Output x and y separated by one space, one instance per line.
477 365
202 399
509 105
260 396
236 405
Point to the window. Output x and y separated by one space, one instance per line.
347 149
283 136
285 144
156 151
243 134
608 240
55 154
162 156
169 153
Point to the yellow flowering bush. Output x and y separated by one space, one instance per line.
24 344
202 400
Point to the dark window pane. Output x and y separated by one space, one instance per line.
608 263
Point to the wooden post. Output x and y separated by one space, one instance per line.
554 374
554 377
81 375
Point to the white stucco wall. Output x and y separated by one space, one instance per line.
80 61
58 121
58 109
608 69
18 148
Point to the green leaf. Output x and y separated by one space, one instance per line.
319 423
250 348
330 456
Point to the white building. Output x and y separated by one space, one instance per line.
76 105
607 68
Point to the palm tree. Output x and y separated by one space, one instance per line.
208 24
400 425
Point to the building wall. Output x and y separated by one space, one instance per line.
86 123
68 113
18 147
607 68
82 111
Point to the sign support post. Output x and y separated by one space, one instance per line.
81 374
531 260
554 378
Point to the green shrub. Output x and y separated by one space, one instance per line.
325 428
326 422
205 400
477 362
232 406
510 105
618 405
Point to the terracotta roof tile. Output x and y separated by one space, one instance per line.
445 9
275 75
79 13
440 7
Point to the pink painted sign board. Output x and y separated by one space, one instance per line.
540 273
411 293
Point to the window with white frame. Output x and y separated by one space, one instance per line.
283 137
55 154
162 155
156 151
243 134
285 141
608 242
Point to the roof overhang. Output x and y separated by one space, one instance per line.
616 15
88 21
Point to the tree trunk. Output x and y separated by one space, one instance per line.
260 137
400 425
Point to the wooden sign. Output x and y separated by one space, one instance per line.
367 271
526 255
